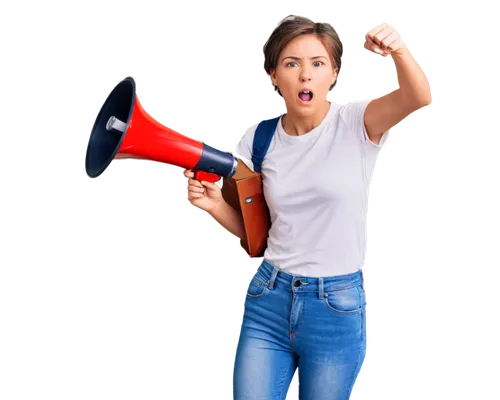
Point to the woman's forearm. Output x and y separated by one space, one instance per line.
225 215
412 81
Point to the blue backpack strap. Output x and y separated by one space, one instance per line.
262 140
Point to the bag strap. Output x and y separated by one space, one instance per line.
262 140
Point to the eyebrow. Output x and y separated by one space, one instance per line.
298 58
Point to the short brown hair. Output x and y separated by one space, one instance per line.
291 27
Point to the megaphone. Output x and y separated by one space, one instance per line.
123 129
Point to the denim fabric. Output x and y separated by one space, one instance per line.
315 324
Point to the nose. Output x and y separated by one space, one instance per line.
305 74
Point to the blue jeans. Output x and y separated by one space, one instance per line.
317 325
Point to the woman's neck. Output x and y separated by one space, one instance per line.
295 125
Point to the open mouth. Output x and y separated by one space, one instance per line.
306 95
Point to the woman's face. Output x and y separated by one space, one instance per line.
304 63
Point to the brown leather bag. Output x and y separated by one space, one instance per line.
243 192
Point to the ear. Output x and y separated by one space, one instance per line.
335 75
272 73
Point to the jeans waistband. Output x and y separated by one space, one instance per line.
298 283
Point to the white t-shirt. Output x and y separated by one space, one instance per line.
316 187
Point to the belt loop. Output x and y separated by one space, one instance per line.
273 277
321 295
364 274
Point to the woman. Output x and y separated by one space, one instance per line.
305 307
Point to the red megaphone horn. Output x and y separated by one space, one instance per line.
123 129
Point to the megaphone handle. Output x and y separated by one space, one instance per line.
206 176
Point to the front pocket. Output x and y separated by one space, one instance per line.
344 301
257 288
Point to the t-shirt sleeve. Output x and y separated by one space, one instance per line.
243 149
353 115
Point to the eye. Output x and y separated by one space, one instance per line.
321 62
291 62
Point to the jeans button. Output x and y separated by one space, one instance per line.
297 283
